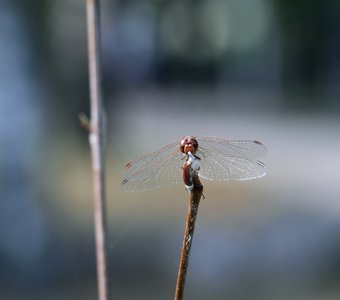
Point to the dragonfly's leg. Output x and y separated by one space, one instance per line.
187 176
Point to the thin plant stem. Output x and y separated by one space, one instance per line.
96 137
194 200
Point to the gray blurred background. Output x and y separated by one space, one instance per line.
255 69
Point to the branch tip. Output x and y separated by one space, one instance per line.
85 122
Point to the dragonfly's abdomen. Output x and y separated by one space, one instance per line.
186 174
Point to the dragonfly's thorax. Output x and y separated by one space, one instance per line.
195 163
190 168
188 144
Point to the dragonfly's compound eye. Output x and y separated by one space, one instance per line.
194 142
181 146
186 141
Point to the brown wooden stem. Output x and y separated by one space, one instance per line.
194 200
96 137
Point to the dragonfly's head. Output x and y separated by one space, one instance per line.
188 143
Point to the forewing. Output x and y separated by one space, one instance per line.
156 169
215 166
153 158
232 148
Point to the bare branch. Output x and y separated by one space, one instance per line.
194 199
95 130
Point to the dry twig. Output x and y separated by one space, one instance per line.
194 200
95 128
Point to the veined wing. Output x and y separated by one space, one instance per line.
232 148
234 163
156 169
221 160
152 158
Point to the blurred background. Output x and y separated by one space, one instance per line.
260 69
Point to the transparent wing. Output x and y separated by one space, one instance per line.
224 159
231 169
221 160
153 170
153 158
232 148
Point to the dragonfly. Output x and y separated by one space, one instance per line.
210 158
